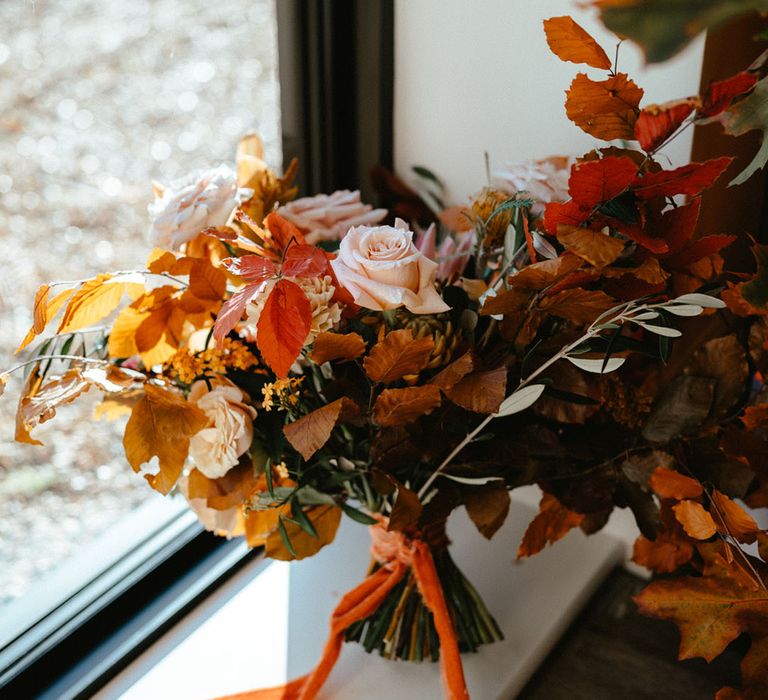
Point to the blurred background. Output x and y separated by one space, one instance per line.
96 100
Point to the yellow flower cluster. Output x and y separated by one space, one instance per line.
215 360
282 394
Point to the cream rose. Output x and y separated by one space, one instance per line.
382 269
201 200
217 447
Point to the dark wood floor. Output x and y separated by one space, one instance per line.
611 652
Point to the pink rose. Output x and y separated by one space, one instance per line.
382 269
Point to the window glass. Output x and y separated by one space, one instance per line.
97 98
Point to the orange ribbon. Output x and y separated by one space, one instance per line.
396 553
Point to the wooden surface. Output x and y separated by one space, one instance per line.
611 652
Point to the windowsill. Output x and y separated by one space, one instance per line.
269 622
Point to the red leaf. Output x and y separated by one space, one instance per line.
596 181
657 123
283 231
304 261
701 248
637 233
677 225
568 213
283 326
721 93
690 180
251 268
232 311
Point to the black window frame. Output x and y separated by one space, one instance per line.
336 67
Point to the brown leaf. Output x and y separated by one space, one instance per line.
598 249
663 555
542 274
455 372
228 491
606 109
732 519
570 42
481 392
577 305
668 483
325 520
397 355
309 433
160 426
553 522
696 521
406 510
400 406
487 506
336 346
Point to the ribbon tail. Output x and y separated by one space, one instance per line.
432 592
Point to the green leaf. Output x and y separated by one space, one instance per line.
611 346
427 174
519 400
358 515
268 473
746 115
285 538
622 208
300 518
508 204
596 366
663 28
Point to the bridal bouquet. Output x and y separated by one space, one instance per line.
286 362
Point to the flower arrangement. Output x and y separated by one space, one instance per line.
286 362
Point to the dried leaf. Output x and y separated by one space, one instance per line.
397 355
309 433
667 483
689 179
605 109
721 93
336 346
157 434
553 522
577 305
325 520
283 326
593 182
406 510
732 519
481 392
401 406
283 232
696 521
598 249
487 506
51 309
657 123
663 555
570 42
455 372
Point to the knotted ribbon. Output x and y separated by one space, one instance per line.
395 553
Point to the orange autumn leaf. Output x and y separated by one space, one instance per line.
455 372
44 311
407 508
696 521
336 346
553 522
663 555
94 300
732 519
709 612
157 434
309 433
401 406
657 123
260 524
283 326
597 248
227 491
755 416
593 182
325 519
605 109
282 231
570 42
397 355
207 282
481 392
487 506
667 483
545 273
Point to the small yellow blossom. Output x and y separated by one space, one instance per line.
282 394
231 354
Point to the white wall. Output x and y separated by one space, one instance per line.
477 75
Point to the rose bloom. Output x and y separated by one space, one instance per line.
217 447
382 269
543 180
327 217
183 209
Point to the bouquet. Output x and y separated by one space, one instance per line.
287 362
